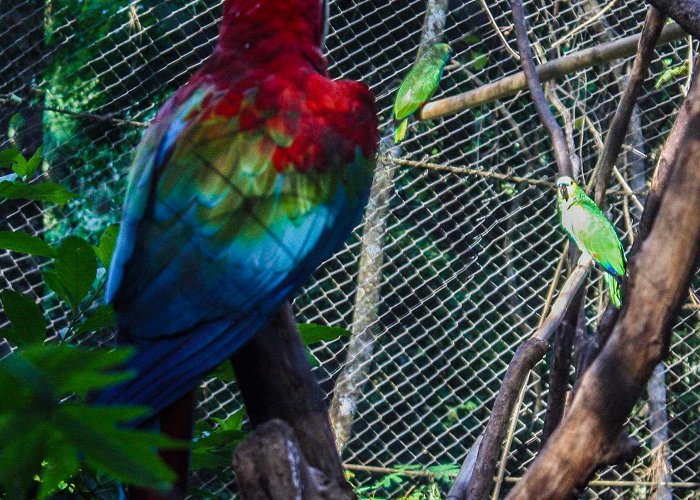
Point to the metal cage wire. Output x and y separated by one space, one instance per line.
468 259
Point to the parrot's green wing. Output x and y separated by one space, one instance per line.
422 81
593 233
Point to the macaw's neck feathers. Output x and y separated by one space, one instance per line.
272 25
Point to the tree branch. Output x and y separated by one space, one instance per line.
659 275
620 122
684 12
511 85
527 62
478 483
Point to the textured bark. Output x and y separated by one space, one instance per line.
658 425
511 85
659 275
276 382
365 321
270 466
684 12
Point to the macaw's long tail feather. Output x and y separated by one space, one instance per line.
170 367
401 131
614 287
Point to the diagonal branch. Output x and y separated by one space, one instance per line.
620 122
684 12
561 153
478 483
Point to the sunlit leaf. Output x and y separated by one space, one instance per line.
25 168
105 248
312 333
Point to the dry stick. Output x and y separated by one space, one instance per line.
620 122
684 12
365 321
498 31
659 275
511 85
479 482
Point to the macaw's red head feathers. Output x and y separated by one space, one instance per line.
275 21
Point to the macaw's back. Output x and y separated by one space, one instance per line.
250 176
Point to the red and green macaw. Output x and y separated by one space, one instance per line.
250 176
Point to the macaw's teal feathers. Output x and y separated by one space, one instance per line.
419 85
592 232
239 190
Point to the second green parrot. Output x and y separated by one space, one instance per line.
419 85
593 233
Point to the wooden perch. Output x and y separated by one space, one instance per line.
684 12
659 275
576 61
620 123
276 382
477 483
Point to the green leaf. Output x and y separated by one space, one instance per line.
108 240
312 333
102 317
25 168
61 463
43 191
27 318
479 61
76 268
7 157
19 241
224 372
52 281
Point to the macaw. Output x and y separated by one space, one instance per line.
419 85
593 234
249 177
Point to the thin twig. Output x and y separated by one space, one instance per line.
584 24
499 33
487 174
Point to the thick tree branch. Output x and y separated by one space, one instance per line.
276 382
620 122
477 482
684 12
511 85
527 62
659 275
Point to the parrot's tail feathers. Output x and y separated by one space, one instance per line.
615 291
401 131
169 368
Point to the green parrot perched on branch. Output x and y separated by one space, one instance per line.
593 233
419 85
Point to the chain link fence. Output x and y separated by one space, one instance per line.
468 258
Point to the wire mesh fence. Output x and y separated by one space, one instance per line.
468 258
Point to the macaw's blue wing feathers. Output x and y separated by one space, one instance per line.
229 210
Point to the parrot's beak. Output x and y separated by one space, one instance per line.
564 193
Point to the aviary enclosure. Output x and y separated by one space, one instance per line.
460 256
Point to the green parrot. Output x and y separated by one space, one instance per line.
593 233
419 85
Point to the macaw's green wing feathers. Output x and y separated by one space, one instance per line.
400 132
422 81
614 287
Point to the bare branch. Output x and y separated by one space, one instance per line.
478 483
527 62
511 85
684 12
620 122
